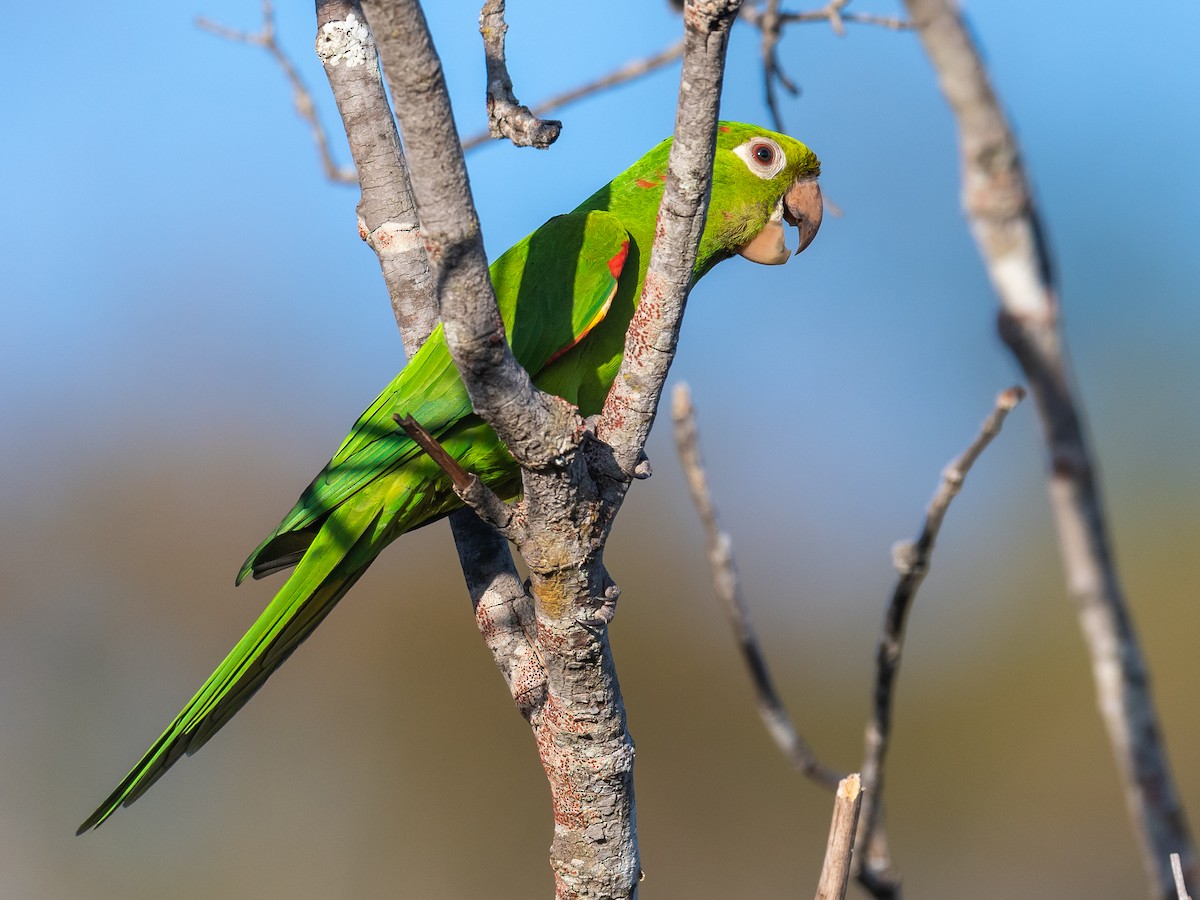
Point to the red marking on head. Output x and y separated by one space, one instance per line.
724 129
617 263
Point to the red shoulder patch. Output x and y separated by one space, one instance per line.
617 263
643 183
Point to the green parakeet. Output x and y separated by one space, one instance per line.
566 294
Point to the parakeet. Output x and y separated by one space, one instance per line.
566 294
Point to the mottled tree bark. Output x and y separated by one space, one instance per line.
558 664
388 222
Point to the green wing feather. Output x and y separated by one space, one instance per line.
571 257
553 288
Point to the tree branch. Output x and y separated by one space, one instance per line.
1177 872
507 118
835 872
1007 229
628 72
653 333
265 38
725 583
530 423
388 223
912 562
468 486
387 214
770 24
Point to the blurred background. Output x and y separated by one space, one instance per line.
191 323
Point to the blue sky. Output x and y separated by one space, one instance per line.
177 269
179 277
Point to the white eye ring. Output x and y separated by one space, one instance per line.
762 156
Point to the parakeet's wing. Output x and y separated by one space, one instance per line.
552 288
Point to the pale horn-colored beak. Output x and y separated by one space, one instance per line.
803 208
800 206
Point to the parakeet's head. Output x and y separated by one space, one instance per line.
761 179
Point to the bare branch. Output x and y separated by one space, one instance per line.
725 582
771 27
833 12
912 562
770 21
387 214
388 222
1006 226
300 93
468 486
580 726
654 331
628 72
835 872
507 118
534 426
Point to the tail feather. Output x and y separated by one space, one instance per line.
340 553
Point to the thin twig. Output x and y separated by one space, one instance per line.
835 872
770 22
628 72
725 582
265 38
467 485
912 562
771 28
773 71
1008 231
507 118
834 13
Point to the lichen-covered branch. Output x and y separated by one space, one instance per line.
1003 218
529 422
387 213
579 718
388 222
580 726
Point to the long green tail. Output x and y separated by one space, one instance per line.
341 551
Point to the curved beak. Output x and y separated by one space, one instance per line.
800 206
803 208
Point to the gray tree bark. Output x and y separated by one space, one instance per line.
552 645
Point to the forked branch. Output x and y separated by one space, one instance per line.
912 559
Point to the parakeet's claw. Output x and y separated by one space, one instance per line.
800 206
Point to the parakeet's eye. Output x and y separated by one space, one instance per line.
762 156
